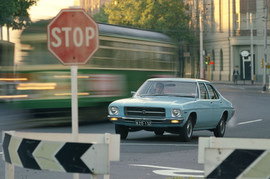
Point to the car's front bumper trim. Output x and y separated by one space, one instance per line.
128 121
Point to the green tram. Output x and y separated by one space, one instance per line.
126 58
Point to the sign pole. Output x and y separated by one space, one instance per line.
74 99
73 40
10 171
74 107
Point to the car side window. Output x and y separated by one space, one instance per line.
203 92
212 92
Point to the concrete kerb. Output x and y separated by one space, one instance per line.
256 86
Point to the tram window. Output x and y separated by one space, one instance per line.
117 54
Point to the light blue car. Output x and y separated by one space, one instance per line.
174 105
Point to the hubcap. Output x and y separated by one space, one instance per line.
189 129
222 126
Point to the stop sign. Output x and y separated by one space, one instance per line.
72 36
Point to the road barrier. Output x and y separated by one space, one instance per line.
55 152
234 157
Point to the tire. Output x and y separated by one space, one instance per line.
219 131
187 131
159 132
122 130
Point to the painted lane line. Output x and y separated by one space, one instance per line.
171 171
1 153
248 122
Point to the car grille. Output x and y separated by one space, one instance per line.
144 112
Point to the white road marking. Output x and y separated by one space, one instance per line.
175 172
1 153
248 122
177 145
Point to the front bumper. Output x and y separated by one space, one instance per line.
146 122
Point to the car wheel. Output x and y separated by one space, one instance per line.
122 130
159 132
187 131
219 131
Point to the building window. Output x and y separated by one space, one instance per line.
242 10
212 16
247 6
268 24
221 59
220 15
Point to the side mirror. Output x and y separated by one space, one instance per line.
132 93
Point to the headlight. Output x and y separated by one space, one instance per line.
113 110
176 113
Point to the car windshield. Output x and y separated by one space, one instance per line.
168 88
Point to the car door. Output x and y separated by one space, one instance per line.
204 108
216 105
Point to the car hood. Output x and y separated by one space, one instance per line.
159 101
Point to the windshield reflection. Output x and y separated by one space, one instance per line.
168 88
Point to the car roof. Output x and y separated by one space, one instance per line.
178 79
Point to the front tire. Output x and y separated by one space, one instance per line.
122 130
219 131
187 131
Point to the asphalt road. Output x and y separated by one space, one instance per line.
146 156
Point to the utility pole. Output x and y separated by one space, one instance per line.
265 46
251 49
201 47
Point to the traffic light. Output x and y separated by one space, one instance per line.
207 60
262 63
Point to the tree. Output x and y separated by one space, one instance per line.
14 13
167 16
101 16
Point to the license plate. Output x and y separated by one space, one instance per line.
143 123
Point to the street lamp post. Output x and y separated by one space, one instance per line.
265 47
201 47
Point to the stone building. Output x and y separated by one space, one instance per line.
227 38
90 6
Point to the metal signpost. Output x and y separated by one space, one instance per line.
73 40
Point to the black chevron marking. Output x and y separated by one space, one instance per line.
70 157
235 163
6 142
25 153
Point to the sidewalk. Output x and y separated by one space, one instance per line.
242 82
246 84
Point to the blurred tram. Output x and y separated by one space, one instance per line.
41 85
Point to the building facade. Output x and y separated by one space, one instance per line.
90 6
227 38
232 30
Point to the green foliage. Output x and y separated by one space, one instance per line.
101 16
167 16
14 13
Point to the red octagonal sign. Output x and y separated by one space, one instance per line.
73 37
